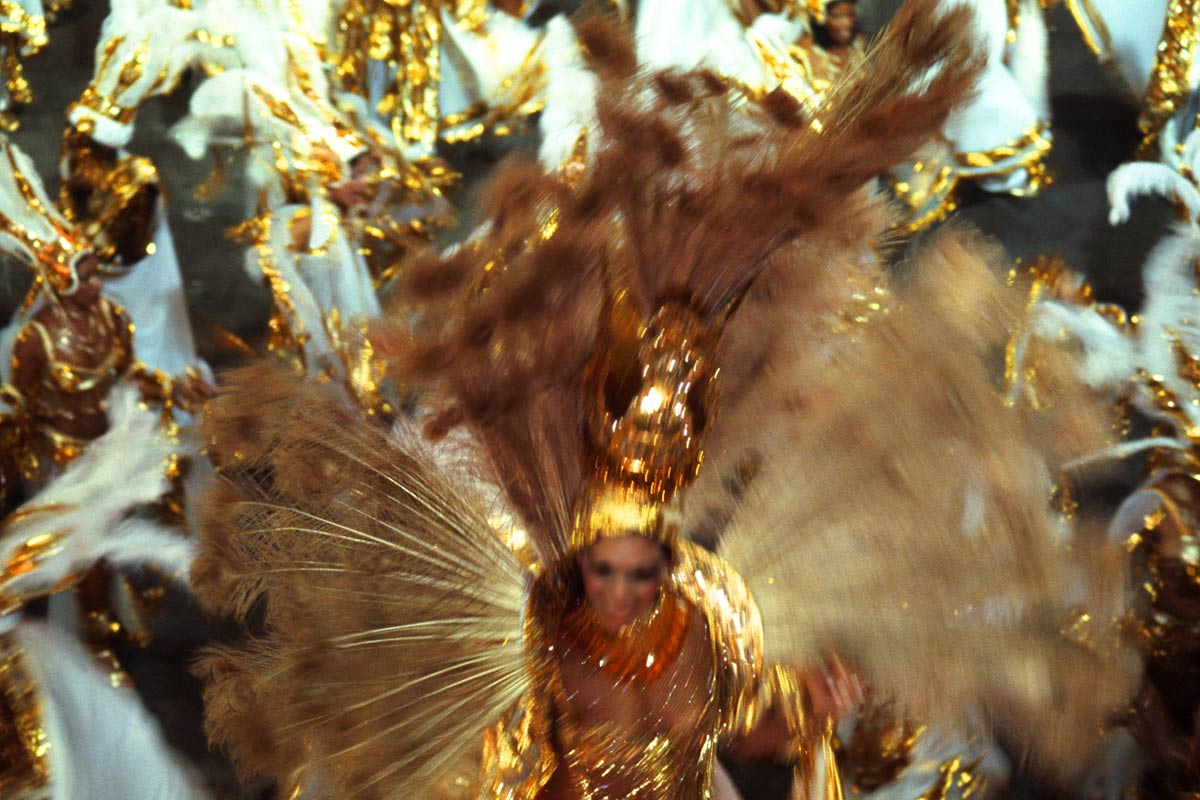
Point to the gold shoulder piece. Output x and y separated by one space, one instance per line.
735 626
23 739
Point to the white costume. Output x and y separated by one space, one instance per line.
1153 49
23 35
94 740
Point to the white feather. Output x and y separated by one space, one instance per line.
104 745
87 505
1110 356
570 96
1130 181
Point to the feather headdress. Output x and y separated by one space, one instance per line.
684 206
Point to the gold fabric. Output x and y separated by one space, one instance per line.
24 743
406 36
83 355
111 198
22 35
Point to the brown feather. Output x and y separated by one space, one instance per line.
688 197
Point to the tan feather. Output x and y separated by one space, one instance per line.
692 191
392 610
902 515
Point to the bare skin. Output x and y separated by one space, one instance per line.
622 577
350 195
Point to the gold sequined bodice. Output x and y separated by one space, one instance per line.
623 737
601 725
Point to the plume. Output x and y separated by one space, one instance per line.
84 515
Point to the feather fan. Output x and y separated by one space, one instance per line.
392 610
903 517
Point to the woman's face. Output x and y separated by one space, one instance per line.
621 578
841 22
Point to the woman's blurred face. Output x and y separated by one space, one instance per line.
621 578
841 22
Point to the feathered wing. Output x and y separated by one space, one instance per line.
392 634
902 515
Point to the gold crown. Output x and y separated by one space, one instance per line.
651 392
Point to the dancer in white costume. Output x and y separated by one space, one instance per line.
117 197
316 172
1001 135
434 71
70 725
1149 361
65 351
997 138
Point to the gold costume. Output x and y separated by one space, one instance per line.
66 360
1162 521
69 353
571 397
111 197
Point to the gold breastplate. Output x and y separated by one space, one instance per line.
82 355
645 729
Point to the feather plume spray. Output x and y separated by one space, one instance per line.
688 197
393 613
904 520
1148 362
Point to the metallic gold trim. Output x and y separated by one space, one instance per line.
24 741
1091 25
1026 150
1170 79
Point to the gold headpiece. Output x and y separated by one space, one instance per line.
31 228
652 387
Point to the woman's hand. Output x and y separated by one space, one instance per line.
834 689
